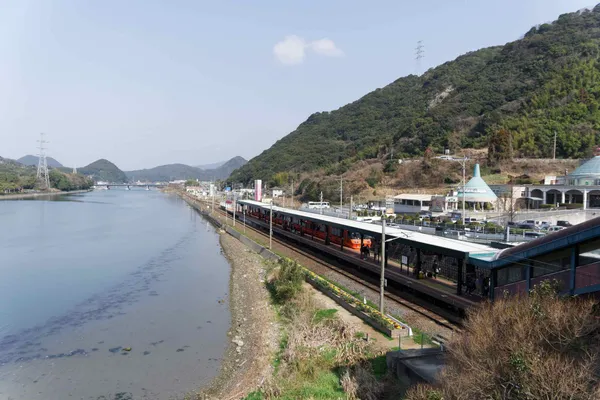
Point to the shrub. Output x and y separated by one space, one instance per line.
530 347
288 281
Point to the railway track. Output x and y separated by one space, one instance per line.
361 279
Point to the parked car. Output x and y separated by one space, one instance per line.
564 224
527 226
534 235
555 228
545 225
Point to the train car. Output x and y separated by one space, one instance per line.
226 205
309 228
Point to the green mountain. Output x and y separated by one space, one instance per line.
15 177
103 170
33 160
181 171
526 90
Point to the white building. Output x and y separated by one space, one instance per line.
277 192
581 186
407 203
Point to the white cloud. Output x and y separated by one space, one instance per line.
292 49
326 47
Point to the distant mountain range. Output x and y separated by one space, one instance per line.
33 160
104 170
211 166
181 171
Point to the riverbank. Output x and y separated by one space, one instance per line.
254 332
25 196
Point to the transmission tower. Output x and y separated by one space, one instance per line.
42 171
419 54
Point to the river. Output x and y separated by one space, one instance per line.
83 278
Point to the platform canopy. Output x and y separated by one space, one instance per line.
440 245
476 190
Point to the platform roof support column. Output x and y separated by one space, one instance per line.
493 283
528 274
327 241
574 265
343 234
418 262
462 264
312 231
387 247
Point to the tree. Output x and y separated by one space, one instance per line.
540 346
191 182
500 146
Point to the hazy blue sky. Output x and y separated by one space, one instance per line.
149 82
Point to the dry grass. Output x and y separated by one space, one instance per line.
536 347
315 353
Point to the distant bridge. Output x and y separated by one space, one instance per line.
147 186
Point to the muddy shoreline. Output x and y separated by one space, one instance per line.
254 333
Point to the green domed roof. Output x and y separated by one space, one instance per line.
590 167
477 190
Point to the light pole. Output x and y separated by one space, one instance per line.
382 277
234 208
464 183
271 226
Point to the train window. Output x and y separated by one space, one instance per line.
355 235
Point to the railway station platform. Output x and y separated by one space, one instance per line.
442 290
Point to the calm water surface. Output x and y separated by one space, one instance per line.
86 276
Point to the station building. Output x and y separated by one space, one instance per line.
582 186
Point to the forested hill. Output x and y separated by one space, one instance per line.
546 82
34 160
104 170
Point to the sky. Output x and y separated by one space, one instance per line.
146 82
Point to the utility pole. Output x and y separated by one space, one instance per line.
321 206
382 278
271 226
42 170
341 194
464 183
350 212
464 186
212 191
292 196
554 152
234 208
